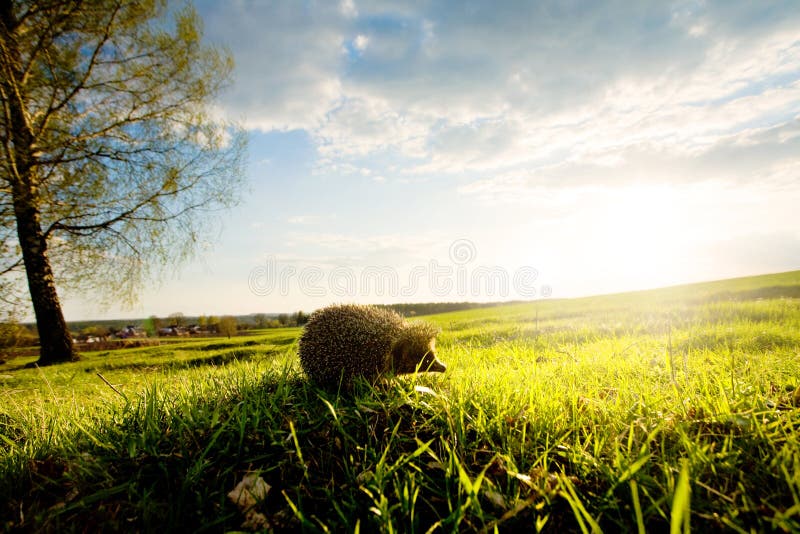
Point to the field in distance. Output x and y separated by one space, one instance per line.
632 412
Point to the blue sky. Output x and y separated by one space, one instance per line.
492 151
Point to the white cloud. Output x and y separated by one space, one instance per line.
360 42
287 60
348 8
766 157
360 126
481 88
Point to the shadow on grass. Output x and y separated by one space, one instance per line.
19 364
224 358
249 343
331 458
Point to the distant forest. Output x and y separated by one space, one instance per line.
430 308
404 309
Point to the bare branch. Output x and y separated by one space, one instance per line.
13 267
52 109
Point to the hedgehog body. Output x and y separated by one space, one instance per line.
342 342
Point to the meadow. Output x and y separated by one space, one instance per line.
652 411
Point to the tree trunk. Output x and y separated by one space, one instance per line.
54 337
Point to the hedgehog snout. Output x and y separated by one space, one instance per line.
436 366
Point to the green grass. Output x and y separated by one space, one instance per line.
649 411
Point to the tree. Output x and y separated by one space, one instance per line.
109 159
177 319
13 334
300 318
227 326
283 319
152 325
261 320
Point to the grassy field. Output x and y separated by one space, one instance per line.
650 411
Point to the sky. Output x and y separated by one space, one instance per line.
485 151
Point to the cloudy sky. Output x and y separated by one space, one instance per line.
496 150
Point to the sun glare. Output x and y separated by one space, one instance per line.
644 235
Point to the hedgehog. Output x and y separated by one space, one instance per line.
345 341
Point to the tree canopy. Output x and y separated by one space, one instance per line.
112 162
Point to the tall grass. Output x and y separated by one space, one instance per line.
644 412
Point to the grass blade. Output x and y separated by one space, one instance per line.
681 505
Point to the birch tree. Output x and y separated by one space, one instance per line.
112 163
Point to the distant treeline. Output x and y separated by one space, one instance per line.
430 308
269 320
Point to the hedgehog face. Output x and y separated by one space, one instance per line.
429 362
416 355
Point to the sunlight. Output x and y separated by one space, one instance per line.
643 234
605 239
